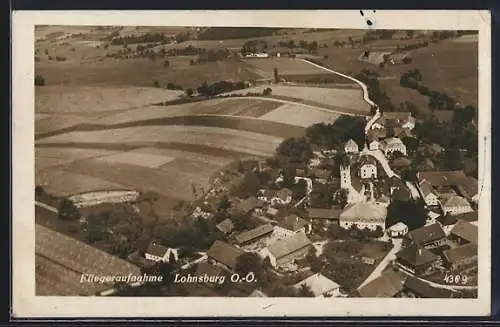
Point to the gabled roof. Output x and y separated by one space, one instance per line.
426 234
416 255
399 227
317 213
224 253
364 212
426 188
351 143
401 162
465 230
318 284
226 226
456 201
156 249
424 290
442 178
293 223
393 141
468 216
254 233
388 284
289 245
460 253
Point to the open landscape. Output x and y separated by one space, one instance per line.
290 154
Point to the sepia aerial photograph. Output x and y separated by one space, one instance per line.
256 162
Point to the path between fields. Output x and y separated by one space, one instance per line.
46 206
383 264
366 95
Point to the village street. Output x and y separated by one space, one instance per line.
383 264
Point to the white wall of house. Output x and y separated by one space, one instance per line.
362 225
395 147
374 145
368 171
431 199
456 210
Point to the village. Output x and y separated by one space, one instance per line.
295 224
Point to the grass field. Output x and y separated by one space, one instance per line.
299 115
285 66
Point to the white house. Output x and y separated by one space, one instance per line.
157 252
428 194
397 230
363 215
283 196
287 250
393 144
374 145
351 147
456 205
368 170
291 225
320 286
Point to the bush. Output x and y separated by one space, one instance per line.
267 91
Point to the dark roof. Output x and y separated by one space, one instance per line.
156 249
426 188
210 270
224 253
468 216
401 162
226 226
442 178
416 255
254 233
426 234
425 290
387 285
293 223
317 213
447 220
289 245
460 253
465 230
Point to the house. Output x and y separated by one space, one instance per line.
368 167
253 235
283 196
363 215
414 287
373 140
461 256
388 284
212 271
226 226
432 217
455 205
329 215
224 254
380 123
397 230
351 147
291 225
464 232
271 212
287 250
467 186
320 286
157 252
202 212
248 205
416 259
428 237
393 144
402 119
428 194
401 162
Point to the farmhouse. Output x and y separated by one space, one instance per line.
283 196
291 225
351 147
224 254
430 197
320 286
363 215
397 230
330 215
466 186
464 232
226 226
392 145
428 237
287 250
157 252
455 205
389 284
254 235
461 256
416 259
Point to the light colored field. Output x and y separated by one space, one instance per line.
351 99
285 66
71 153
224 138
63 183
57 99
146 160
296 114
199 157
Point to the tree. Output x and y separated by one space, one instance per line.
224 203
299 190
267 91
166 63
189 92
39 80
341 198
242 222
295 150
67 210
305 291
251 263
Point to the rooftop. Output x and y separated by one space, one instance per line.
456 201
254 233
364 212
398 227
465 230
224 253
460 253
318 284
156 249
293 223
388 284
426 234
317 213
416 255
226 226
289 245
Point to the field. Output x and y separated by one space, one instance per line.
285 66
296 114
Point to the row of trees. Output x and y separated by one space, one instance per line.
378 96
116 39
